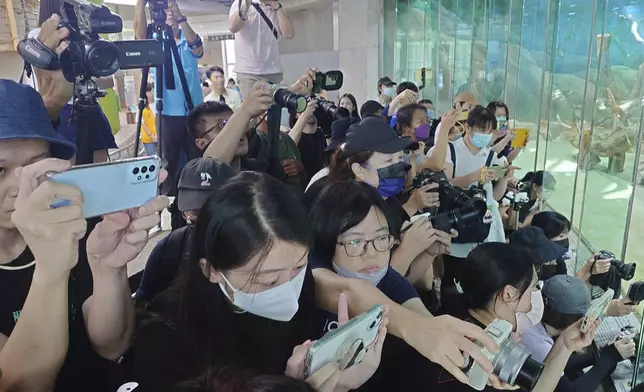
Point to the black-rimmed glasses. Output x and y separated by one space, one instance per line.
356 248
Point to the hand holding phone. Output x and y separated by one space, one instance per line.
597 309
521 139
111 186
357 342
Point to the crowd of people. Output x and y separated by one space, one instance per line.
269 254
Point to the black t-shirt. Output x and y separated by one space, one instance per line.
312 150
165 350
397 214
164 263
83 370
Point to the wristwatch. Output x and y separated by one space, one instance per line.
181 20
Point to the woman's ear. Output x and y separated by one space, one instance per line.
359 171
508 294
210 273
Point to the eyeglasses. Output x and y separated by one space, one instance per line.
219 126
356 248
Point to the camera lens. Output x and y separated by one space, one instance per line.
144 169
514 360
152 168
289 100
529 374
135 171
102 58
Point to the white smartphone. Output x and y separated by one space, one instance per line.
112 186
597 309
347 344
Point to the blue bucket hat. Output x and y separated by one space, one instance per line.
23 116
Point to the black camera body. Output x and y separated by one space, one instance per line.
88 55
625 271
459 209
326 113
636 292
329 81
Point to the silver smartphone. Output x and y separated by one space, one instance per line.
347 344
111 186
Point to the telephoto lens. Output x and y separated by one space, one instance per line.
290 100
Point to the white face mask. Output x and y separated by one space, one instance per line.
374 278
389 91
526 321
279 303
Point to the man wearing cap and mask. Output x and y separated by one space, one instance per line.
199 179
566 300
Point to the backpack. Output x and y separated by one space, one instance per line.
479 231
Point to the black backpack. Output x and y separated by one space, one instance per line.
479 231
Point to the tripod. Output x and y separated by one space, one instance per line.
162 32
85 108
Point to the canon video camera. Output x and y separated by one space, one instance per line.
88 55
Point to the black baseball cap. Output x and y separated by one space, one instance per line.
199 179
339 130
375 134
371 108
23 116
566 294
535 239
385 81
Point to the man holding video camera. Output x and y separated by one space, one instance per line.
258 26
174 137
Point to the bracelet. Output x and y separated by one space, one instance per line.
196 43
181 20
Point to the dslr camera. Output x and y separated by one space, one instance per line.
327 112
88 55
513 364
624 270
458 210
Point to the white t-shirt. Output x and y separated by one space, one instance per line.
34 34
257 52
232 97
318 176
466 163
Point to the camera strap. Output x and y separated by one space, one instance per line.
268 21
452 153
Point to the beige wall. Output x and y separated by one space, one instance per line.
213 54
11 65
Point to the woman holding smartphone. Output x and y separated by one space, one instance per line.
246 299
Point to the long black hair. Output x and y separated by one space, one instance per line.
339 207
354 102
241 220
552 223
492 106
492 266
340 167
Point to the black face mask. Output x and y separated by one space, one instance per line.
565 243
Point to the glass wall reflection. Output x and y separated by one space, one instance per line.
571 71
